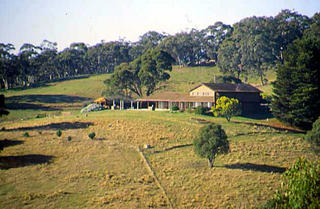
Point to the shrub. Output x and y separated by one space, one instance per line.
226 107
40 115
174 108
25 134
59 133
300 188
3 128
313 136
92 135
200 110
69 138
211 141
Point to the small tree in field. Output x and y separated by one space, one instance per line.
211 141
226 107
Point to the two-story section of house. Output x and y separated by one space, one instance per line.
248 95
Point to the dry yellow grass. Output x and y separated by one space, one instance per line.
109 173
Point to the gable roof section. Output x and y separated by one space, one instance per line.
229 87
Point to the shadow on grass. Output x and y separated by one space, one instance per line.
256 167
55 126
29 106
7 143
270 126
45 98
173 147
7 162
200 120
259 116
255 133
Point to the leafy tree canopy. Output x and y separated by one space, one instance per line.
227 107
313 136
300 187
211 141
141 76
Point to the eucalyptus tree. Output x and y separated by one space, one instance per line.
229 58
149 40
249 49
80 50
7 65
213 36
27 56
141 76
103 57
47 68
288 25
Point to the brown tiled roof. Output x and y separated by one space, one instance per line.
229 87
175 97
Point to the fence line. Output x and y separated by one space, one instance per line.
146 162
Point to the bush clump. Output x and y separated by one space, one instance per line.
40 116
69 138
313 136
59 133
300 188
200 110
92 135
174 108
3 128
25 134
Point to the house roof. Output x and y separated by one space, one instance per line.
229 87
175 97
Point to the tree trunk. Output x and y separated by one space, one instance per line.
261 79
210 162
6 84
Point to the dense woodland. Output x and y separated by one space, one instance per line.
250 46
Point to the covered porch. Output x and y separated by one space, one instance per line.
167 100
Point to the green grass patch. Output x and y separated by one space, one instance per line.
90 87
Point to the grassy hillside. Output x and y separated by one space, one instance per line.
91 87
47 171
182 80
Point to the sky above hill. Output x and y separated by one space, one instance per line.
90 21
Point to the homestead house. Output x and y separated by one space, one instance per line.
205 95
